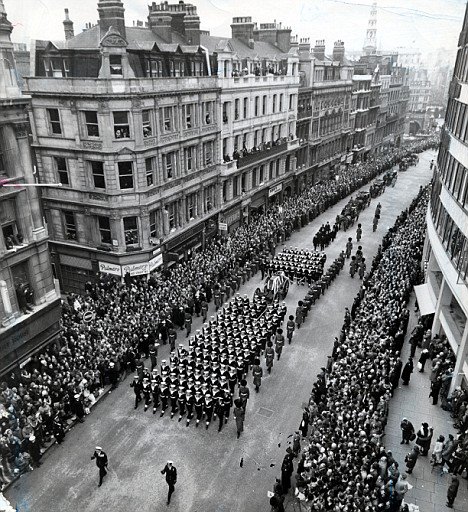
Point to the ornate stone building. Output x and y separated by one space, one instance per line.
159 134
29 303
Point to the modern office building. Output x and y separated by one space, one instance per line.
446 253
29 304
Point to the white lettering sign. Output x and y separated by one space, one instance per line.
155 262
274 190
137 269
110 268
223 226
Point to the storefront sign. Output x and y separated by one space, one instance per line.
110 268
155 262
223 226
275 190
137 269
232 217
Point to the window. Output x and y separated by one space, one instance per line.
208 112
121 125
153 223
115 62
271 172
210 194
97 168
208 152
147 124
257 103
70 225
191 206
54 121
264 105
261 176
154 68
291 101
172 215
149 167
236 109
92 126
235 186
246 105
225 112
189 155
125 175
167 119
281 102
274 103
257 138
105 230
170 164
189 116
254 177
131 230
8 215
244 182
62 171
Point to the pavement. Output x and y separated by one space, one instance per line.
210 478
429 490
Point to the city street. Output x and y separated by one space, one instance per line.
210 478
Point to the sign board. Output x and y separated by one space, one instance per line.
110 268
88 316
136 269
223 226
275 190
155 262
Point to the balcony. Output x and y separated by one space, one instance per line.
227 168
253 81
112 87
268 151
301 114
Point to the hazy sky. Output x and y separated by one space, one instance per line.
423 24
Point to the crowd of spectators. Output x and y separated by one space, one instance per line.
343 464
60 383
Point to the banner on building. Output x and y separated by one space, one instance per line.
155 262
275 190
136 269
110 268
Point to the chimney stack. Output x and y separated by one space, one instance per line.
339 51
319 49
304 45
242 29
111 14
68 26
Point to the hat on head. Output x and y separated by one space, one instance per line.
98 448
170 462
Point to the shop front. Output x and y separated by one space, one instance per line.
275 194
232 218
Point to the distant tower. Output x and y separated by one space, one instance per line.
370 44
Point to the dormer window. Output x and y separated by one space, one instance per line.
115 63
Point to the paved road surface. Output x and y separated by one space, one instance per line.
209 476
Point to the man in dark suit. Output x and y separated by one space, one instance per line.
101 463
171 478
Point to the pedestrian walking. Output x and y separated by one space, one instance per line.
407 431
407 371
239 415
452 491
424 437
411 459
101 462
171 478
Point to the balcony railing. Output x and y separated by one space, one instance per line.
268 151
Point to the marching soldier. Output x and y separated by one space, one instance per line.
173 397
172 336
219 410
244 393
279 342
181 402
208 409
349 247
199 404
155 392
257 374
227 403
146 391
189 403
164 398
290 327
269 356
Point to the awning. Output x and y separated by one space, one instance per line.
425 301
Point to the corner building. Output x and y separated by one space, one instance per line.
159 133
446 251
29 303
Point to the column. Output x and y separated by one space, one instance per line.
34 205
117 232
462 354
11 151
443 299
5 299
